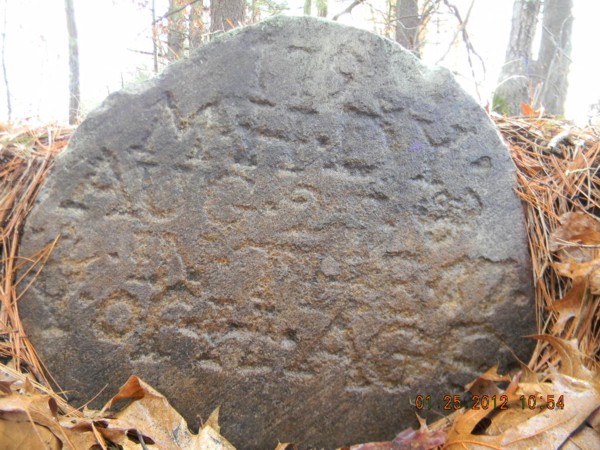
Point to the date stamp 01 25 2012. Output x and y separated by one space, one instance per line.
455 402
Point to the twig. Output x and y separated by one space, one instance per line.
467 41
558 139
173 11
141 439
142 52
348 9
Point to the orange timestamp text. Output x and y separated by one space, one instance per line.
456 402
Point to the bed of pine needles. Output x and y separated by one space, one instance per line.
558 172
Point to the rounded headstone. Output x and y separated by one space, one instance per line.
300 223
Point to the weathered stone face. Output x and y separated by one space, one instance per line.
301 223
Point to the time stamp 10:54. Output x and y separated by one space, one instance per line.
455 402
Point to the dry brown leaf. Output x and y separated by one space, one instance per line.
552 427
83 432
133 389
528 110
584 439
485 384
209 439
577 270
595 282
421 439
569 306
6 387
287 446
41 411
147 417
460 435
571 359
409 439
213 420
27 435
575 240
522 428
594 420
550 423
507 419
150 414
575 228
525 375
99 439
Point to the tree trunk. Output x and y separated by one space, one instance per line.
555 51
8 101
74 95
154 38
196 24
307 7
322 8
514 84
226 14
408 24
254 11
175 30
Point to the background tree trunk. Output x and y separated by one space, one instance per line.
176 32
408 25
196 24
555 51
322 8
74 94
307 7
541 81
4 73
514 84
154 37
226 14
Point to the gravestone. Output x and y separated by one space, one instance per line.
301 223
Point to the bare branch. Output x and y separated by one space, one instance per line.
462 29
348 9
141 52
174 11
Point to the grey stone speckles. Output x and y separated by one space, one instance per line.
301 223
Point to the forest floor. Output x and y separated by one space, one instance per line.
554 401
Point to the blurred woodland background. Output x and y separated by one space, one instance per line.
60 58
